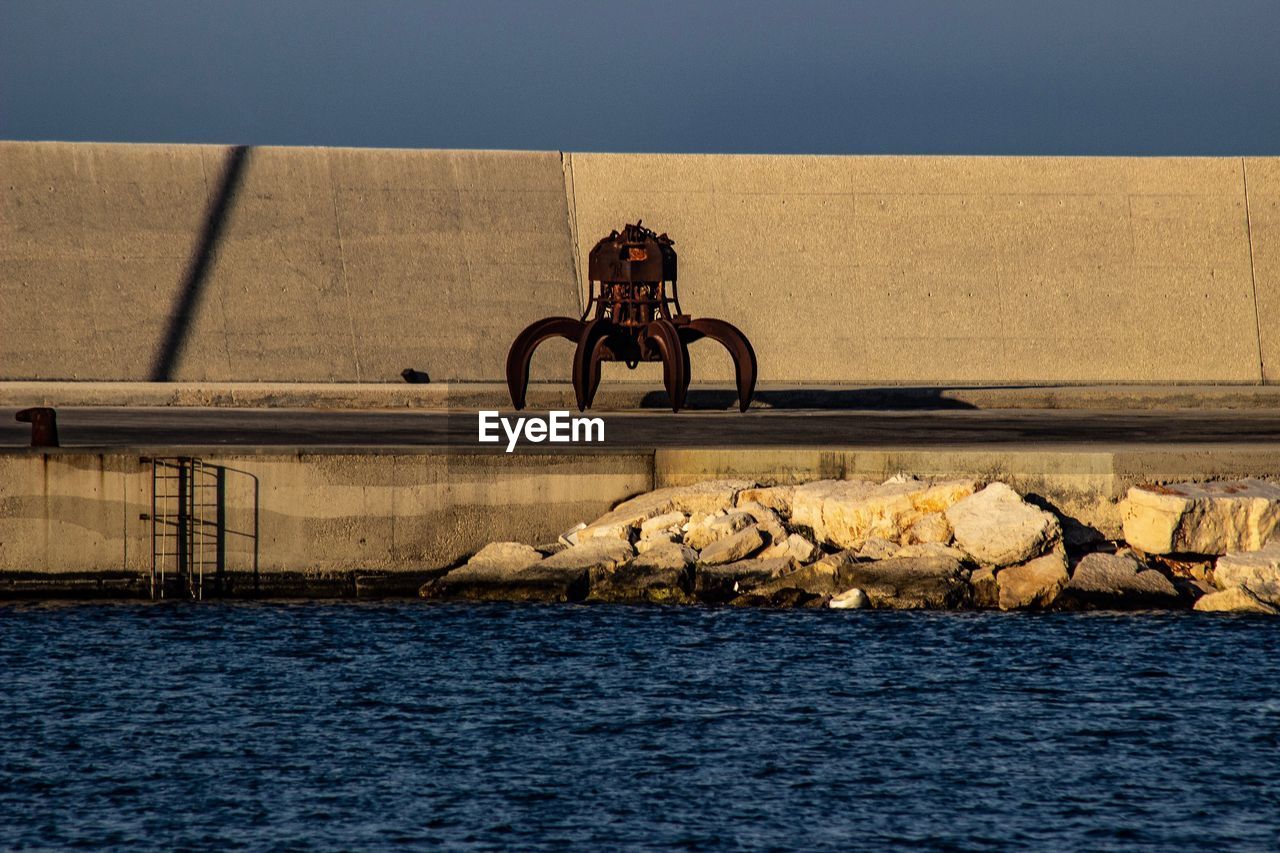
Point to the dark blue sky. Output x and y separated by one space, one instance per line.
889 76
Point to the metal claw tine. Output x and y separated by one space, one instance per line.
521 352
667 340
594 333
740 350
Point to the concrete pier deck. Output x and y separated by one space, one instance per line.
632 395
630 431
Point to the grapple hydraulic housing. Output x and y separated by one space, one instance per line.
633 315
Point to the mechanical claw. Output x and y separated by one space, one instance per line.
632 320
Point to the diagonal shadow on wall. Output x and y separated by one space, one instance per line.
187 302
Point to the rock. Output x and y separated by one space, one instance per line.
776 498
802 549
709 496
714 528
810 499
670 556
758 511
853 599
1237 599
846 513
570 537
767 520
706 497
930 549
930 528
1035 584
546 549
792 586
1201 518
658 577
662 523
600 553
999 528
1257 570
1116 582
910 583
723 583
739 546
795 546
506 555
500 572
656 541
816 579
986 593
619 532
876 548
773 533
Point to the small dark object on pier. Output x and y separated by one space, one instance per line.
632 322
44 425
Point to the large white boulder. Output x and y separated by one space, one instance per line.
846 513
1259 571
998 528
1201 518
706 498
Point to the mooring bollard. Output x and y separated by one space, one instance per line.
44 425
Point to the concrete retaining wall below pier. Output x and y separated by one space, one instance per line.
318 515
312 523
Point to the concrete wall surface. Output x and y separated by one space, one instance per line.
952 269
212 263
83 512
1263 198
292 264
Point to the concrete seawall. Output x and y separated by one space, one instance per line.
315 515
313 523
210 263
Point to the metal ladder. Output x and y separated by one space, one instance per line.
186 516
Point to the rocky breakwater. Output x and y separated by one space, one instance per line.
904 543
1222 536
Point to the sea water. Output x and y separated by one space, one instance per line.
360 726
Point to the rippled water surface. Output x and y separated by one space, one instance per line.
359 726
